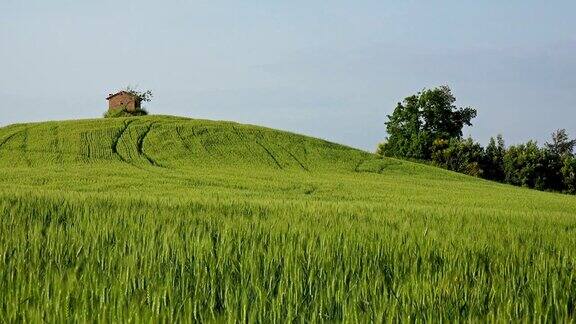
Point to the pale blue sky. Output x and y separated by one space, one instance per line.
331 69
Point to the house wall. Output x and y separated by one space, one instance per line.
123 100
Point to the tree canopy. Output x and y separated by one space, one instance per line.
143 96
423 118
428 126
561 144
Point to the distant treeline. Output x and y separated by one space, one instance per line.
428 126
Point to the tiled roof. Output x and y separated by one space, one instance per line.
110 96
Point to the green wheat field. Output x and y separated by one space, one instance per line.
180 220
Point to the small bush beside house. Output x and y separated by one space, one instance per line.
124 112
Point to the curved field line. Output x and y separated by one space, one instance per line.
140 146
118 138
11 136
127 161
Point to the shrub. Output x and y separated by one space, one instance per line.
493 162
381 149
123 112
458 155
523 165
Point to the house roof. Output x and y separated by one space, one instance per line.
112 95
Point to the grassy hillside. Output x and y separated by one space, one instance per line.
179 219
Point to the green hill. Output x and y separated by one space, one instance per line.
166 142
172 219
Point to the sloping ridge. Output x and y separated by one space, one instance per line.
174 142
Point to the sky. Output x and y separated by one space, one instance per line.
330 69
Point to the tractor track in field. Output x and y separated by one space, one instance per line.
243 138
117 140
25 149
84 137
270 154
197 135
11 136
184 142
24 146
295 158
57 145
140 146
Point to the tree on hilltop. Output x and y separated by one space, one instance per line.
142 96
423 118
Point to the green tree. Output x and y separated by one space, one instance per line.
555 153
143 96
561 144
460 155
493 162
569 173
523 165
423 118
546 168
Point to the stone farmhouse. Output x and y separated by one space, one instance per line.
123 99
